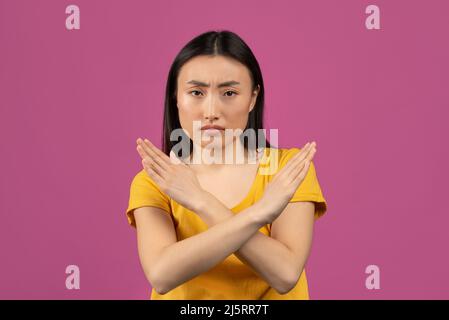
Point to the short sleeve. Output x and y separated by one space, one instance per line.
145 192
309 189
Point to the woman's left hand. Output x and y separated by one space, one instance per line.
175 179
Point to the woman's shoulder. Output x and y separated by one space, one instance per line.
274 158
141 178
142 174
145 192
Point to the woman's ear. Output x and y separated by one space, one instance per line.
254 98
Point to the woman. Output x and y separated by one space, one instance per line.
222 230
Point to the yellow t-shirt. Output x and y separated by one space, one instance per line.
231 278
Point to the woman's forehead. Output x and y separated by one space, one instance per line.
213 71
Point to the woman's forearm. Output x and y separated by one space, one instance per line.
268 257
190 257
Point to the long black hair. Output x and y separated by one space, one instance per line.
225 43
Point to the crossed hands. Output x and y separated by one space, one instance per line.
179 181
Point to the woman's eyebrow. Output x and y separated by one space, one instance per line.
223 84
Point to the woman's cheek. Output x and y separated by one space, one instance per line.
237 118
188 105
187 115
186 123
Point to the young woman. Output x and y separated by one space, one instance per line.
222 230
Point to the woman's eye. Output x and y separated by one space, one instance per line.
232 92
195 91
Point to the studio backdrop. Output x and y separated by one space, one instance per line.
81 80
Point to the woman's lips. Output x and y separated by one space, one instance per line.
212 129
211 126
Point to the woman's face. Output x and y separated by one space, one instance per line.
214 90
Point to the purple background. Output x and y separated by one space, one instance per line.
74 102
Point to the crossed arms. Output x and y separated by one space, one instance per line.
278 259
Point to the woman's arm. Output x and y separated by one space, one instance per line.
169 265
180 183
278 261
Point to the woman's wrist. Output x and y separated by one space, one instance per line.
209 209
259 213
203 202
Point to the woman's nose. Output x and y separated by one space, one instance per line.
211 116
210 111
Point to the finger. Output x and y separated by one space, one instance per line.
161 157
150 160
140 144
146 155
145 147
302 173
150 151
292 162
141 152
151 172
305 168
292 165
300 155
158 152
302 166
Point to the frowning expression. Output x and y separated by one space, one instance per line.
217 91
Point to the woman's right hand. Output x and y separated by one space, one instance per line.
281 188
